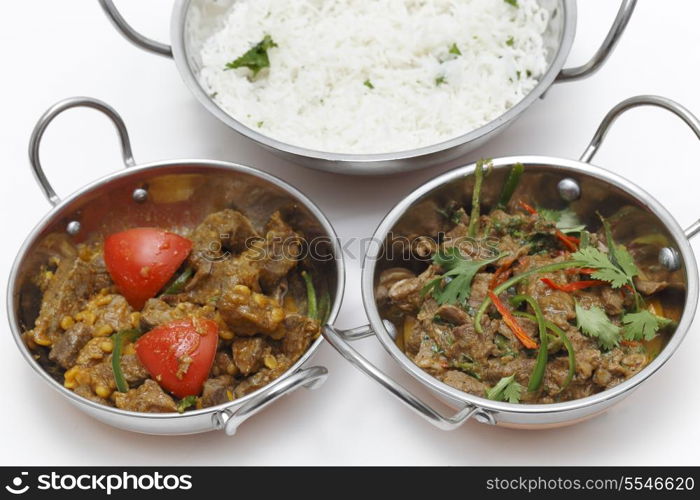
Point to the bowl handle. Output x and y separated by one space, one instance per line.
131 34
340 341
606 48
642 100
229 420
53 112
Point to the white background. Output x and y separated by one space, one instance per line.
51 50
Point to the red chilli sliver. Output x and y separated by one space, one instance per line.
572 287
512 323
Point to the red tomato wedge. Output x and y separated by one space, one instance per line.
179 354
142 260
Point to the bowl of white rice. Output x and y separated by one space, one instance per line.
372 86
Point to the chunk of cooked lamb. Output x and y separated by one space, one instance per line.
300 332
248 353
148 397
278 254
217 391
220 232
65 350
247 312
79 275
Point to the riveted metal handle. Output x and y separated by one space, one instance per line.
606 48
311 378
339 340
131 34
643 100
53 112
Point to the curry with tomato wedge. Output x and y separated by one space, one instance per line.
153 320
526 304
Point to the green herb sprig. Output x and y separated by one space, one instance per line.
454 286
506 389
642 325
256 59
595 323
185 403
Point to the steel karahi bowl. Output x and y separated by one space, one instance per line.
173 193
550 181
207 14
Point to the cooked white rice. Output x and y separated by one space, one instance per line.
316 93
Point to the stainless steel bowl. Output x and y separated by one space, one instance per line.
153 194
207 14
599 189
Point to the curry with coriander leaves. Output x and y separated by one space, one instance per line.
523 304
148 320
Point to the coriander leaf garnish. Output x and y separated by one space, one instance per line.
605 269
256 58
455 50
440 80
367 83
567 221
565 218
618 253
506 389
616 267
459 271
512 392
185 403
623 260
510 42
514 3
642 325
595 323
